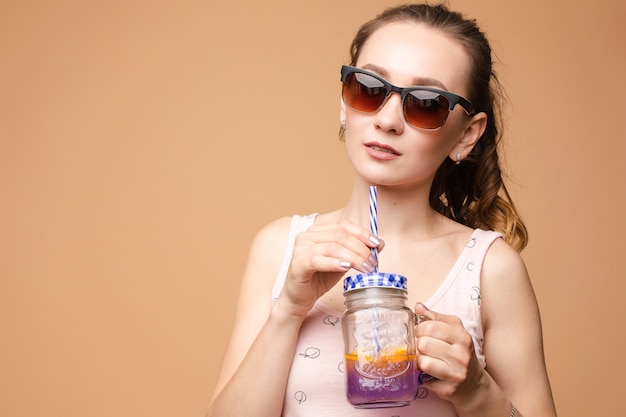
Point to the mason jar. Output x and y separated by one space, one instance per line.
378 330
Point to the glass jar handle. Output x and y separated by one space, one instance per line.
422 378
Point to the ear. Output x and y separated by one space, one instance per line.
342 111
474 129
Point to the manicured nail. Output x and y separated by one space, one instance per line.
424 378
368 267
372 260
345 264
375 240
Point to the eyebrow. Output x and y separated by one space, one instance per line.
417 81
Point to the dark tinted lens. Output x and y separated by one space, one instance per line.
426 109
363 92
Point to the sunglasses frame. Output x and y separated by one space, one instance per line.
453 99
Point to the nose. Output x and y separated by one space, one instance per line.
390 117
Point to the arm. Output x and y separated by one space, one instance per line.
513 347
246 384
513 334
255 369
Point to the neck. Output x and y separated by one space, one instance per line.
401 210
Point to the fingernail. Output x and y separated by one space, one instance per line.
424 378
368 267
345 264
374 240
424 305
372 260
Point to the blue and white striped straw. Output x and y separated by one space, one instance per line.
374 230
374 220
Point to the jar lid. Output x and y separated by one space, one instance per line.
374 280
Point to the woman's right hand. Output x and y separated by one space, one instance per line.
321 256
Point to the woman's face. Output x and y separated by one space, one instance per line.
382 147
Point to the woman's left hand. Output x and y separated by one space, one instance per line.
445 351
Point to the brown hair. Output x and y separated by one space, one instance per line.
472 192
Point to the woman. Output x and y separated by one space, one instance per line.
448 225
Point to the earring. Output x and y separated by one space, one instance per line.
343 124
458 158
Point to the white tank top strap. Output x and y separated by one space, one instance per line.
480 242
298 224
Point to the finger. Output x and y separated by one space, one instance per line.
439 326
321 240
446 332
345 242
332 251
449 364
432 368
358 231
332 255
452 345
432 347
423 314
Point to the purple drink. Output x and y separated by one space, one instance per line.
387 381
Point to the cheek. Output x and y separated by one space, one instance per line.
455 125
351 145
447 138
356 127
435 145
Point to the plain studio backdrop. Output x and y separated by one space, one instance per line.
144 143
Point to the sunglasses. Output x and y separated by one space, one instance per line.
425 108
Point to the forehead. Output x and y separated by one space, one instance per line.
407 51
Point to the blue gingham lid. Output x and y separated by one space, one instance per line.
374 280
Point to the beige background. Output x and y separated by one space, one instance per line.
143 143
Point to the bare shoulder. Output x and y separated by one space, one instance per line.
266 253
275 228
263 264
271 238
503 263
506 288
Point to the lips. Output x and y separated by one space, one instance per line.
379 147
